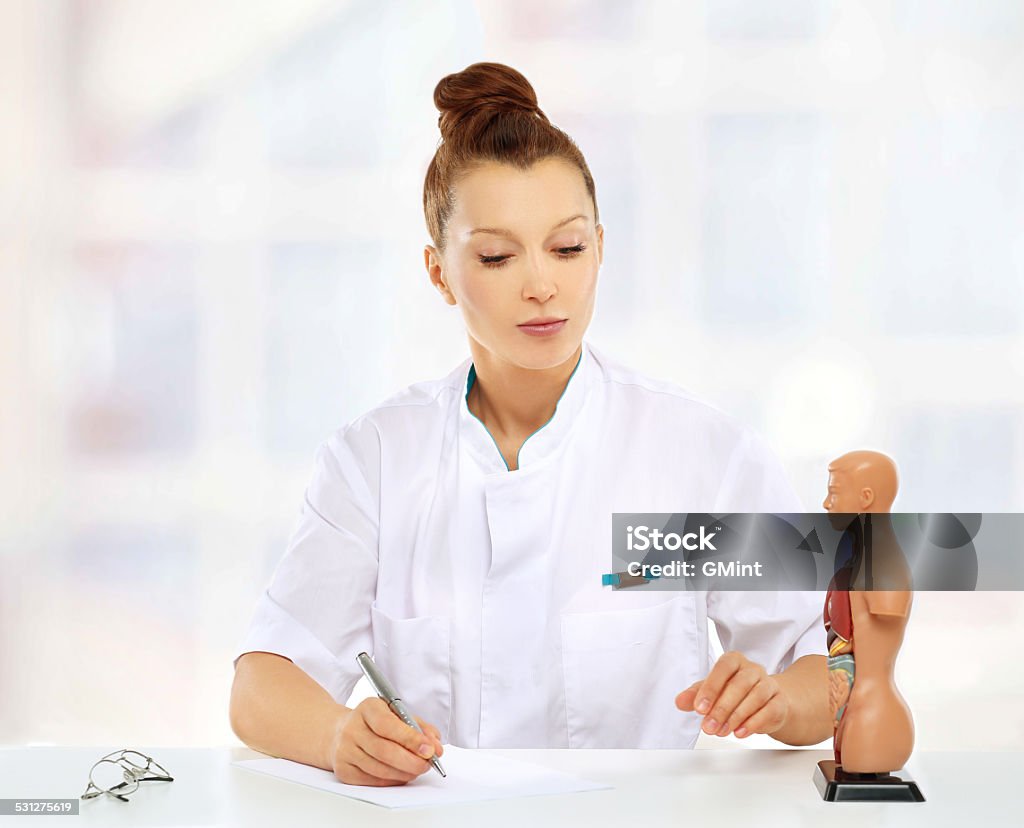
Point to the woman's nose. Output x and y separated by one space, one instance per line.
539 286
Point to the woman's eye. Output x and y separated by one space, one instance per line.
563 253
570 252
494 261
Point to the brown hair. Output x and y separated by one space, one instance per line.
489 112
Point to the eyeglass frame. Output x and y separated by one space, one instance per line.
133 774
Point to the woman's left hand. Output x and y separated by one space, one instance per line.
737 696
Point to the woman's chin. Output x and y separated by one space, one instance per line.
543 356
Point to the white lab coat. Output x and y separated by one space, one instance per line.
478 590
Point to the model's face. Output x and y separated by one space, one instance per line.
522 246
842 497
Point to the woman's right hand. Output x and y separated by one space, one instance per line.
372 746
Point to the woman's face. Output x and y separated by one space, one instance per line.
522 246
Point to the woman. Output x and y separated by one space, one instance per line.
459 531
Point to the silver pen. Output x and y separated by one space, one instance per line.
384 689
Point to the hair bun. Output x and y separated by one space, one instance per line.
482 88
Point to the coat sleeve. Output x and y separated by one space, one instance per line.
773 629
316 609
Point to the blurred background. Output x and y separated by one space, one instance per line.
211 241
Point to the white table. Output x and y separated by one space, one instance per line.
651 788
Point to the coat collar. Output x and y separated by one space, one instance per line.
545 441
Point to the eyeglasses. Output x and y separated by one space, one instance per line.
119 774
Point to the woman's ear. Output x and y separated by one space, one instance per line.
435 269
600 243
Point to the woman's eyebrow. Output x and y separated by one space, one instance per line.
501 231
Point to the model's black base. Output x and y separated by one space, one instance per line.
836 785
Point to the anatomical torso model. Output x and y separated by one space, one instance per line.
867 608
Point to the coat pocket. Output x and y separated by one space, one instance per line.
413 654
623 670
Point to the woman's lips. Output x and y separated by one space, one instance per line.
547 329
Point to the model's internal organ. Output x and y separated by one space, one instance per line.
839 627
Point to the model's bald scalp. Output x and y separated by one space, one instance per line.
870 469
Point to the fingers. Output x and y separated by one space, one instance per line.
766 720
391 754
688 697
725 668
385 724
433 733
759 695
732 694
375 748
353 775
379 766
354 766
739 686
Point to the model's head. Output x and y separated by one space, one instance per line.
511 210
861 481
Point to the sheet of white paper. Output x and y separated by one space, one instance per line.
472 776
